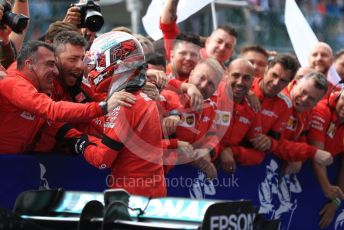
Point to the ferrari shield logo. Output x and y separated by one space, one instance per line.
188 120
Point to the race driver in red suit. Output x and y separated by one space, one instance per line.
132 142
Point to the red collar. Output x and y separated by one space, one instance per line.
18 73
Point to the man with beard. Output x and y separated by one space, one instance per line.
277 111
70 51
235 119
67 86
275 106
26 106
184 56
321 60
321 57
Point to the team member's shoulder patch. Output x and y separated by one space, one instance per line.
286 99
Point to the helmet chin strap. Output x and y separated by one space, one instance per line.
119 83
136 82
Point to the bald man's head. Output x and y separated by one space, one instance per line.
321 57
302 71
239 78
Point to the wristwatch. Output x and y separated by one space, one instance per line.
175 113
104 106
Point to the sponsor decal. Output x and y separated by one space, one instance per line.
188 120
27 116
223 117
244 120
269 113
292 123
331 130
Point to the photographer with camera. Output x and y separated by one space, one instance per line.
87 16
13 27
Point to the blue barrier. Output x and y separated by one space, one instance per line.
295 199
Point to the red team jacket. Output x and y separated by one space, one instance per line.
293 144
236 122
24 111
274 111
275 114
325 128
132 148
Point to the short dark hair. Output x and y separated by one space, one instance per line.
155 59
338 54
254 48
57 27
68 37
288 61
29 51
319 79
188 37
229 30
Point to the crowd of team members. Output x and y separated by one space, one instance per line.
194 109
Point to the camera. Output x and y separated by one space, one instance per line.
91 16
17 22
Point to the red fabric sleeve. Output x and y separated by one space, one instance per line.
170 32
247 156
99 155
26 97
170 143
90 92
209 140
291 150
174 85
50 139
320 121
256 127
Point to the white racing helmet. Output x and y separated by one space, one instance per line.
114 59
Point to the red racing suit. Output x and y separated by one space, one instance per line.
236 124
24 111
132 148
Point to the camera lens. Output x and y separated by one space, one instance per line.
94 20
17 22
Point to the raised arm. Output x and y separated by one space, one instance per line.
169 12
20 7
